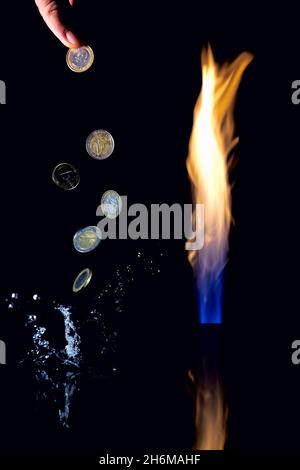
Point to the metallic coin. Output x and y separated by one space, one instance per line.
82 280
100 144
111 204
65 176
80 59
87 239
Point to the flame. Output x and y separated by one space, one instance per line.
211 412
211 142
208 163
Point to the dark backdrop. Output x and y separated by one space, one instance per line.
142 88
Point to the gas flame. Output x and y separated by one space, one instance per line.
210 411
211 142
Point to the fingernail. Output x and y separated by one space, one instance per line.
71 37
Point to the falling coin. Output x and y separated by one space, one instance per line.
82 280
87 239
66 176
80 59
100 144
111 204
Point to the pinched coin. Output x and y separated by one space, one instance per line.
82 280
87 239
80 59
65 176
100 144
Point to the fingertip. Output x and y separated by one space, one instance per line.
72 39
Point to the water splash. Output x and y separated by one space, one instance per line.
72 348
63 345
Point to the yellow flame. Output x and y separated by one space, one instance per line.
210 144
210 411
212 140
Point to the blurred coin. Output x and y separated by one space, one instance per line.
80 59
87 239
66 176
111 204
100 144
82 280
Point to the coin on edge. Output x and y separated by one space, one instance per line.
65 176
80 59
82 280
87 239
111 204
100 144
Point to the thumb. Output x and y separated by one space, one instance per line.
50 13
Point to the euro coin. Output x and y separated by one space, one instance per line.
65 176
87 239
111 204
82 280
100 144
80 59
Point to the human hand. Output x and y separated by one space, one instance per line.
49 10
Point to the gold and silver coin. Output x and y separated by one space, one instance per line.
82 280
87 239
80 59
100 144
65 176
111 204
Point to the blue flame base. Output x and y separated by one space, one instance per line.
210 302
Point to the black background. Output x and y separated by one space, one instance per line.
142 88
